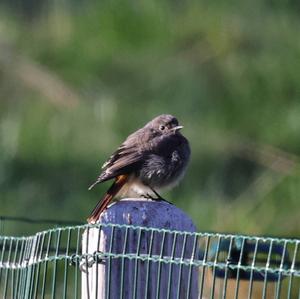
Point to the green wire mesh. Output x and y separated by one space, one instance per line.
52 264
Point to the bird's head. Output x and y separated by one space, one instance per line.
165 124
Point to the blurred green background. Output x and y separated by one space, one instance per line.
76 77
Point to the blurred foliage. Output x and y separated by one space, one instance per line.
76 77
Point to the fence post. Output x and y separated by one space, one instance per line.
119 277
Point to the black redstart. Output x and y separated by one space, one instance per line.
152 158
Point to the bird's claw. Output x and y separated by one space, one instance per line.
159 197
149 196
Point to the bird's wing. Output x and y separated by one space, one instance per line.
122 161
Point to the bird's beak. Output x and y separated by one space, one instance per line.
177 128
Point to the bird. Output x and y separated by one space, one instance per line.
153 158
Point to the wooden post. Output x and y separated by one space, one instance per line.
131 277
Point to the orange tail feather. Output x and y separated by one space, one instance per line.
109 195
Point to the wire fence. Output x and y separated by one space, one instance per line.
62 263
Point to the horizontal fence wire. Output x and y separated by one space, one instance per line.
140 262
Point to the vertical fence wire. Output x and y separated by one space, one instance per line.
52 263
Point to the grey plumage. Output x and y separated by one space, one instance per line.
153 157
156 156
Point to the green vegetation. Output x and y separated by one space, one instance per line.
78 77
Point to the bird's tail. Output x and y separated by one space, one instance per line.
109 195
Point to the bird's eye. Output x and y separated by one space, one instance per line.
161 127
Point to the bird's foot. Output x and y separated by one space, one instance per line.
159 197
148 196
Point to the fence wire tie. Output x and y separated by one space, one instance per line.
73 260
90 259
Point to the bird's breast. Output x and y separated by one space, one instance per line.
165 168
